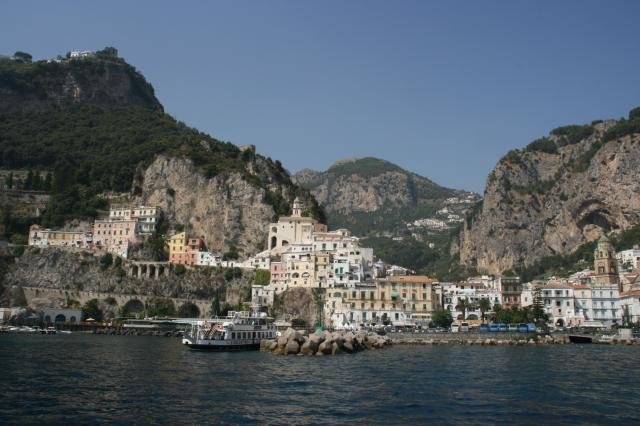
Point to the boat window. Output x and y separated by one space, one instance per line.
233 335
254 334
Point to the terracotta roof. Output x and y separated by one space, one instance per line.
411 279
630 293
581 287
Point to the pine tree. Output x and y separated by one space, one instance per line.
28 182
47 182
215 307
538 306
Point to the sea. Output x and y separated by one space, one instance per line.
96 379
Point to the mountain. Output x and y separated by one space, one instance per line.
95 123
555 195
103 80
407 219
375 197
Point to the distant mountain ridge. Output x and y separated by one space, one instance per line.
374 196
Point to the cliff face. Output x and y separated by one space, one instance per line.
553 196
226 209
105 82
80 271
372 195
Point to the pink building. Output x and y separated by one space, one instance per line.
114 236
278 276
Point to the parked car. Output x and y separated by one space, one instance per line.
494 327
455 328
503 327
464 327
484 328
513 327
523 328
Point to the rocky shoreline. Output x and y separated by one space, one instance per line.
535 340
293 342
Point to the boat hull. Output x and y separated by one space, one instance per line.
580 339
224 348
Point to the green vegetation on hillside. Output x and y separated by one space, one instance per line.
581 258
365 167
35 81
104 144
572 134
624 127
543 145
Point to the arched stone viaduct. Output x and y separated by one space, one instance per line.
84 296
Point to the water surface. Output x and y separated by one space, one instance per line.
128 379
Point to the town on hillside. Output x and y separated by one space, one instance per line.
357 291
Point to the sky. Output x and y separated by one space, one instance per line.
443 89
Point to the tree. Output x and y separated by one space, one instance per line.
180 269
108 52
160 307
28 182
91 309
23 57
231 254
47 182
263 277
215 307
538 312
465 305
485 306
442 318
106 260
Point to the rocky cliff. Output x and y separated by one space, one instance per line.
54 268
226 209
373 196
556 194
105 81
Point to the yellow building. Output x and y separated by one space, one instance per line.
300 273
322 268
178 243
401 300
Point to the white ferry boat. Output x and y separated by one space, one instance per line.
239 331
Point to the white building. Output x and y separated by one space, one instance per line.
630 306
40 237
629 259
294 229
146 216
261 296
558 301
472 292
207 258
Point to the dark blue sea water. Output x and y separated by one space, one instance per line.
120 379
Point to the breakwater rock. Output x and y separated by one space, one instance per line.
293 342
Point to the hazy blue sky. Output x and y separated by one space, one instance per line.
443 89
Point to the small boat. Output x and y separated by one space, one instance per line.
64 332
237 332
580 338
